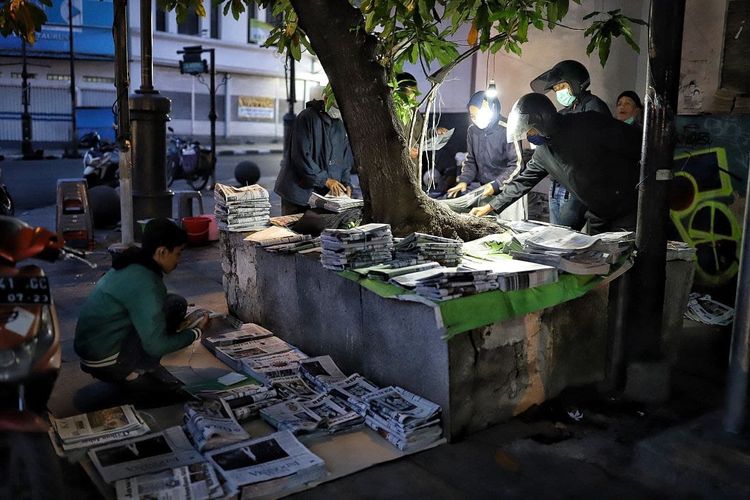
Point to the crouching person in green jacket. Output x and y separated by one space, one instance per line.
129 321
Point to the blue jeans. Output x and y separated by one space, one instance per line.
558 195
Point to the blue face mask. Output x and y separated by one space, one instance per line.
630 120
564 97
537 140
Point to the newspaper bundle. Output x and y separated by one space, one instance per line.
336 204
258 464
353 390
359 247
144 455
190 482
426 247
96 428
246 333
406 420
268 368
241 209
211 424
321 372
244 402
254 356
274 238
704 309
444 283
512 274
294 386
323 413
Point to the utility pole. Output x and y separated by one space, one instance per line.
646 295
27 149
289 116
212 117
73 152
122 84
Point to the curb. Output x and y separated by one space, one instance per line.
253 151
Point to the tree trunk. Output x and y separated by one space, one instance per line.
389 178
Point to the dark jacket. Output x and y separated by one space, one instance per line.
592 155
491 158
587 102
319 151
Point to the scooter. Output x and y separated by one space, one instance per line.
29 360
7 206
101 162
188 160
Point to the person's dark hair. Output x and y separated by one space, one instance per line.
406 80
632 95
162 233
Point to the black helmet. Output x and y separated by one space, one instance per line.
531 111
491 114
569 71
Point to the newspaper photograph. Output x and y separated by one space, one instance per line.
190 482
270 457
211 424
144 455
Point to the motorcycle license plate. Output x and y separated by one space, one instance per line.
24 290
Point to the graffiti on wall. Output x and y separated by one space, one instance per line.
707 201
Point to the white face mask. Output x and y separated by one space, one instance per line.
482 118
334 113
564 97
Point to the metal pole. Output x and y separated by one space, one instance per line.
289 116
27 149
739 354
212 118
73 153
649 273
147 49
122 83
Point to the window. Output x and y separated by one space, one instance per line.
29 76
161 19
65 78
215 21
190 26
252 14
98 79
273 20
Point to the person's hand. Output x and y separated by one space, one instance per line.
441 131
481 211
196 319
488 190
335 187
413 153
458 188
349 191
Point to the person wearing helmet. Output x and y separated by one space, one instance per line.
490 159
570 81
320 158
603 173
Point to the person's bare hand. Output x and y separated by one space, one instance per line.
441 131
335 187
413 153
457 189
481 211
349 191
488 190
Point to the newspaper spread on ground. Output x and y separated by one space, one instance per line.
294 386
97 428
321 372
248 332
244 402
144 455
268 368
270 457
704 309
190 482
321 414
211 424
353 390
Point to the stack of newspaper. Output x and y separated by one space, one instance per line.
571 251
679 250
336 204
443 283
267 466
211 424
406 420
353 390
426 247
323 413
244 402
512 274
321 372
359 247
241 209
96 428
189 482
262 358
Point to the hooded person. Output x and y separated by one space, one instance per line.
570 81
604 174
129 321
320 157
490 159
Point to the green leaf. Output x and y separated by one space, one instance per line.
604 50
591 14
637 21
295 50
523 28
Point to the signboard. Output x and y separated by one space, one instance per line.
255 108
92 31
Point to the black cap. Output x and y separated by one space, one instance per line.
632 95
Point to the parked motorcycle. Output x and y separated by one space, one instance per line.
7 206
188 160
101 162
29 360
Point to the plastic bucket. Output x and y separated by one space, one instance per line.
197 229
213 228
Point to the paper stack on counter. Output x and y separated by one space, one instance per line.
359 247
336 204
241 209
429 248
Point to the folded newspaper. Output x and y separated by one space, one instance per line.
321 414
437 141
257 462
336 204
190 482
211 424
96 428
321 372
144 455
244 402
704 309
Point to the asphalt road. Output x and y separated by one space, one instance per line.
32 184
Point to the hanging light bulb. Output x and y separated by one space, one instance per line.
491 91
